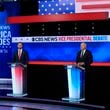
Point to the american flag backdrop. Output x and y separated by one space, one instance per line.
72 6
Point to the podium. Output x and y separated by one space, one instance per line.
76 83
19 80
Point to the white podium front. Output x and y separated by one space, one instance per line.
19 80
76 83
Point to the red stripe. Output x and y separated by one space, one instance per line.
50 63
101 64
60 17
91 0
65 63
99 6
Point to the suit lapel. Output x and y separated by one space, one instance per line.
22 53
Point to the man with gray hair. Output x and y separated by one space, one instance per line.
84 57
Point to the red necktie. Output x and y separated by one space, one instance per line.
19 54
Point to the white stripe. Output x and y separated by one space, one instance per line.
78 7
48 39
21 39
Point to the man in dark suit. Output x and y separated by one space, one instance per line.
20 55
84 57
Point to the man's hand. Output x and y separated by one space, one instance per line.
80 63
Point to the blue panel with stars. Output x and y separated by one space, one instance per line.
56 7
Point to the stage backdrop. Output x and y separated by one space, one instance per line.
64 48
51 48
72 6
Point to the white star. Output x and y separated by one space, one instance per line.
42 14
38 1
49 13
45 9
56 4
71 3
71 12
39 10
56 13
52 9
45 1
64 4
63 12
67 8
49 5
59 8
42 5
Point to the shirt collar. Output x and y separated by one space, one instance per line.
20 49
84 50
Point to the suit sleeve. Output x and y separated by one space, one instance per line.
26 57
89 59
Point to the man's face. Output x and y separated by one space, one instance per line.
83 46
20 45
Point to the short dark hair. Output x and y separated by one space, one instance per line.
20 43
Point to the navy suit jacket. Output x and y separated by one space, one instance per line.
24 57
87 58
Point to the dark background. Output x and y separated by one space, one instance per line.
50 82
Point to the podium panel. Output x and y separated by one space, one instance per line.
76 83
18 80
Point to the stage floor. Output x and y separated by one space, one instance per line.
28 103
24 103
14 108
14 105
